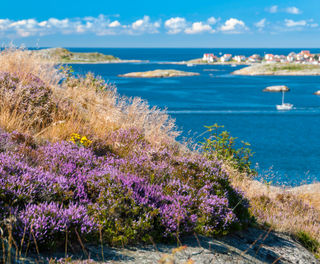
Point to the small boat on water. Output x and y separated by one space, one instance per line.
284 106
233 65
189 65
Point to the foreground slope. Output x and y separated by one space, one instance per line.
81 166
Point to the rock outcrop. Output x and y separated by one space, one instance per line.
285 69
159 74
317 92
277 88
251 246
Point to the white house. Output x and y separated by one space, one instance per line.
255 58
226 57
239 58
209 57
269 57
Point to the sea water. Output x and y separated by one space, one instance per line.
286 144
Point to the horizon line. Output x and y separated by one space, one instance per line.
79 47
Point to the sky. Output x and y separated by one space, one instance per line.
165 23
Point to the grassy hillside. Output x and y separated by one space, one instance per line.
81 164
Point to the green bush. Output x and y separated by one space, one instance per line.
222 146
307 241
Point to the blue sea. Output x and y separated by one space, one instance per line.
286 144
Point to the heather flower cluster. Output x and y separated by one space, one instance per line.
129 196
29 96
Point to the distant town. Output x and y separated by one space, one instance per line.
304 57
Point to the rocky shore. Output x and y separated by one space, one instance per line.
159 74
200 61
279 69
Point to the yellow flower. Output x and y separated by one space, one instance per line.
78 139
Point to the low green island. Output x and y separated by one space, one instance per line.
279 69
63 55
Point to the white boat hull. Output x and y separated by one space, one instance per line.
285 106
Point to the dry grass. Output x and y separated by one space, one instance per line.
289 210
23 62
81 107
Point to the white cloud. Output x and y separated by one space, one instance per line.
293 10
298 25
175 25
198 27
212 20
261 24
100 26
115 23
273 9
144 25
233 25
292 23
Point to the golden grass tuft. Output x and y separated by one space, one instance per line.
23 62
289 210
81 107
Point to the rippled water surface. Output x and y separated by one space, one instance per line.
286 143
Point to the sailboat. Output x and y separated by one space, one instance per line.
284 106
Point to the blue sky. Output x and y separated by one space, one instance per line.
166 23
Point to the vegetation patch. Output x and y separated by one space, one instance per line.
307 241
292 67
58 190
65 56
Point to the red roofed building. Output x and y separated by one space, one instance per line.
269 57
209 57
226 57
305 53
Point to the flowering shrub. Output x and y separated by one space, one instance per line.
30 97
80 140
54 189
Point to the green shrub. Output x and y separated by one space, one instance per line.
222 146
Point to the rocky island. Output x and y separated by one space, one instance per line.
276 88
279 69
159 74
63 55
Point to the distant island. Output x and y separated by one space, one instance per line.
280 69
302 63
63 55
159 74
303 57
